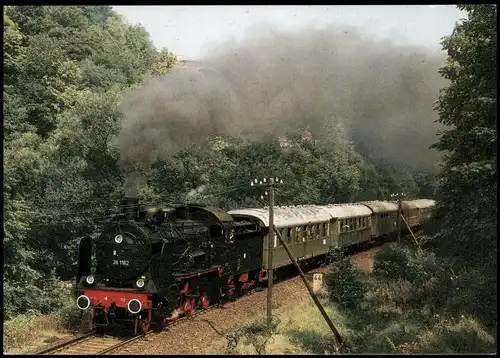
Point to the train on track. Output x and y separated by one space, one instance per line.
150 265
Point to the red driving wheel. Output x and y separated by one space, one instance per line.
189 306
145 326
205 302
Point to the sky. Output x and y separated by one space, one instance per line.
191 31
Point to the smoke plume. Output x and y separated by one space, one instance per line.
273 81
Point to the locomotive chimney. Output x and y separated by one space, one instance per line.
130 207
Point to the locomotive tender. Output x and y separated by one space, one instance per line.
154 264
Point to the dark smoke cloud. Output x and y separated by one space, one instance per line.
382 94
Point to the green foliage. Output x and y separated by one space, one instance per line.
466 215
400 262
40 296
462 335
65 70
344 284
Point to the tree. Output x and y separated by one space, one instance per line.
467 208
64 72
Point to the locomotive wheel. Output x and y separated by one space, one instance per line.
193 306
205 301
231 289
145 325
189 306
136 324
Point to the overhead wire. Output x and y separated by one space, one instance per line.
110 209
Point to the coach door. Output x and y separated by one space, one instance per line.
333 233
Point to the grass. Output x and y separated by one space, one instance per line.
298 331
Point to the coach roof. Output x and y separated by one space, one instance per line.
346 210
287 215
381 206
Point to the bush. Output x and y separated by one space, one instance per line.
344 284
474 294
391 263
27 298
462 335
253 337
26 329
401 263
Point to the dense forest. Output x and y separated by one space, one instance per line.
66 72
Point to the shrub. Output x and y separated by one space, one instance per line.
462 335
26 329
344 284
472 293
391 263
253 337
27 298
402 263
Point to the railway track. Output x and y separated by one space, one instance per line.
91 344
88 344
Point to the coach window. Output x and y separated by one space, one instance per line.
289 236
313 232
298 234
305 230
326 230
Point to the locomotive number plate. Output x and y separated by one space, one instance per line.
120 262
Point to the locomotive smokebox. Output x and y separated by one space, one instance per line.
130 207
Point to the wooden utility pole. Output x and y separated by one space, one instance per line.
399 218
399 197
270 242
270 249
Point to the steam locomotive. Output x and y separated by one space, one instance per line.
151 265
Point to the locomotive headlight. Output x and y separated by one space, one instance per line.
118 239
83 302
140 282
90 280
134 306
